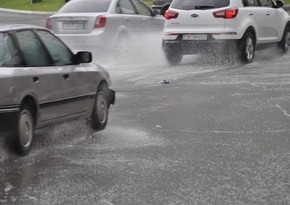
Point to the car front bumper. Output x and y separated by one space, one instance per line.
112 97
8 117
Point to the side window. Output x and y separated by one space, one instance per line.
267 3
250 2
60 54
142 8
126 7
32 49
9 55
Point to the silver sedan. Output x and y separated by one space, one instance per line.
104 26
43 82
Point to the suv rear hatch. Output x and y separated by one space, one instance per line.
197 16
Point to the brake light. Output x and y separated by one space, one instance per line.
48 23
226 14
169 14
100 22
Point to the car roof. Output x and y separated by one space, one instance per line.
9 27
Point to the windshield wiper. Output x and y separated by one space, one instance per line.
204 7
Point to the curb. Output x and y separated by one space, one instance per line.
25 12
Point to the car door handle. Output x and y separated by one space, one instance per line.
268 14
126 18
66 76
35 79
144 19
251 14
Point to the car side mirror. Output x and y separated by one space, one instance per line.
279 4
83 57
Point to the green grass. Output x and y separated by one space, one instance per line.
46 5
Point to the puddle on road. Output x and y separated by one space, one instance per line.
124 137
77 134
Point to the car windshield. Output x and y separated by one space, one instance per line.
199 4
85 6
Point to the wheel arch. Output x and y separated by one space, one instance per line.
253 31
33 105
103 82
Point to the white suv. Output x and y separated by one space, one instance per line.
197 26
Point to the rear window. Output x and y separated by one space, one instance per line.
82 6
199 4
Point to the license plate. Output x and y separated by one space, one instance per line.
73 26
198 37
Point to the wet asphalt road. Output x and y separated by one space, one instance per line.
214 134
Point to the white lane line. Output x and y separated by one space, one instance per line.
284 111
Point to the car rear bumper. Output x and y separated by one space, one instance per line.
78 42
198 46
8 117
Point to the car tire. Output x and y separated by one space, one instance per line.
285 42
100 113
23 136
247 47
173 54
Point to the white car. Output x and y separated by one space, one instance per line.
103 25
197 26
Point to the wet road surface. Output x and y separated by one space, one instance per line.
211 134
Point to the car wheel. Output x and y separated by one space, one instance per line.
100 110
24 130
285 42
173 55
248 48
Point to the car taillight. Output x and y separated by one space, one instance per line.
171 14
100 22
48 24
226 14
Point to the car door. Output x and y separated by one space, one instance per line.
128 13
150 22
267 21
77 88
274 21
46 80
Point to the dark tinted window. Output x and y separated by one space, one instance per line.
199 4
60 54
9 55
85 6
266 3
32 49
250 2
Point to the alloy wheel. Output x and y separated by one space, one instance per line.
102 108
250 48
286 41
25 129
